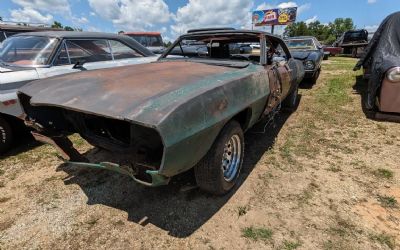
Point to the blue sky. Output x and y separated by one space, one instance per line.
173 17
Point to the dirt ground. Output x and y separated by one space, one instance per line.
325 177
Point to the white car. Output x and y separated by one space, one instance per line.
30 56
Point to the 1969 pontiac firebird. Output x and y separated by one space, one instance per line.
187 110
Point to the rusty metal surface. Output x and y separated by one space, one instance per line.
124 92
389 100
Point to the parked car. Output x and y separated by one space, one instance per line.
382 64
30 56
191 115
8 29
310 52
331 51
151 40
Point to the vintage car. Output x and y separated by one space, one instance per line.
8 29
167 117
31 56
151 40
381 64
310 52
331 51
353 42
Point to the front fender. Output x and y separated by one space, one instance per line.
191 129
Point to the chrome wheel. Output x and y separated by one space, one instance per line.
231 158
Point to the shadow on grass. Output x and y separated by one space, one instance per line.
23 142
178 212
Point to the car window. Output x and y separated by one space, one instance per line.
121 51
62 58
88 51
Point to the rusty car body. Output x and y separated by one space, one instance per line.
167 117
37 55
381 65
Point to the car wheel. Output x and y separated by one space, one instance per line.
315 77
326 57
218 171
291 101
6 135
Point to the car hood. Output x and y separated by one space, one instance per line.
15 77
301 55
144 93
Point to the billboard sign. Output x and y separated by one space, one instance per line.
274 16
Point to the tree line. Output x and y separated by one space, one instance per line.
326 33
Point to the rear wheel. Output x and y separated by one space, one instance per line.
218 171
6 135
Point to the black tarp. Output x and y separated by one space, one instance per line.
381 54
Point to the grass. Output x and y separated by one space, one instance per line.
290 245
383 173
385 239
388 201
242 210
257 233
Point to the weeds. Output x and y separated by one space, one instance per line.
242 210
257 233
388 201
289 245
383 173
385 239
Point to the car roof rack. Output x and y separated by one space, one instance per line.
209 29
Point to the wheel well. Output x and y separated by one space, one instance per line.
243 118
15 123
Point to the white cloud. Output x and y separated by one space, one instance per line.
28 15
132 15
371 1
311 20
300 8
371 28
79 20
197 13
56 6
92 13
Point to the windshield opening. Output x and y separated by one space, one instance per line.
148 40
27 50
301 44
224 47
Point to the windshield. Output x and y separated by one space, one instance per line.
148 40
301 44
218 49
27 50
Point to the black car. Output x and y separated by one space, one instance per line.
310 52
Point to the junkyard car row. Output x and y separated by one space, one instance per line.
188 109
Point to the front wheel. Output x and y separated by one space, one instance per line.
291 101
315 77
5 135
218 171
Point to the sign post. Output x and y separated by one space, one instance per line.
274 17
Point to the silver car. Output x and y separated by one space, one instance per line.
37 55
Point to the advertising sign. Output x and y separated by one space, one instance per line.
274 16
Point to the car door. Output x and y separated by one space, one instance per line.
278 74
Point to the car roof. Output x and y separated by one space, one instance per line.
90 35
230 32
142 33
300 37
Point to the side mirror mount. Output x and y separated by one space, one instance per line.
79 65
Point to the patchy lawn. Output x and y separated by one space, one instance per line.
324 177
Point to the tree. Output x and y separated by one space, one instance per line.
67 28
57 25
327 33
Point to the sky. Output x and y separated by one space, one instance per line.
174 17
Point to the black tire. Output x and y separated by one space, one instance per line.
326 57
209 171
291 102
6 135
315 77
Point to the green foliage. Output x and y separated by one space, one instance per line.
57 25
257 233
326 33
